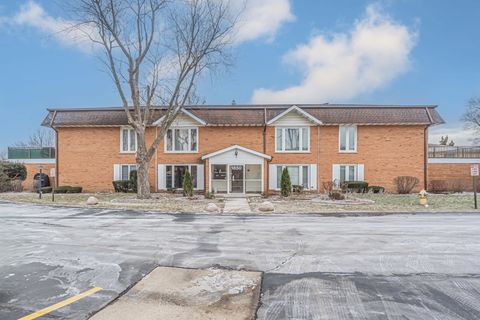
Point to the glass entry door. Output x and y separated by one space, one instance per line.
236 178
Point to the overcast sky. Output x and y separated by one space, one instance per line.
337 51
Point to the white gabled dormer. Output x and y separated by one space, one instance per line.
292 130
182 136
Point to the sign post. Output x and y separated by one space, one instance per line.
41 182
474 172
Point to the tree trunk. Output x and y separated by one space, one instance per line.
143 166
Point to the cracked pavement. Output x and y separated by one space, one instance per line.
422 266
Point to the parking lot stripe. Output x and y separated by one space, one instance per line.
61 304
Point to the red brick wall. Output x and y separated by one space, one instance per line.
451 172
32 169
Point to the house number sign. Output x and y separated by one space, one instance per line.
236 167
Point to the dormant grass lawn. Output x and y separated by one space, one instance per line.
383 203
171 203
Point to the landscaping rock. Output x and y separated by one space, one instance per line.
91 201
266 206
211 207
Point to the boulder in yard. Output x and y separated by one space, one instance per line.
211 207
91 201
266 206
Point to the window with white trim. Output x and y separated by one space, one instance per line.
299 175
347 138
181 140
348 173
128 140
174 175
292 139
125 170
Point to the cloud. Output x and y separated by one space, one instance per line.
33 15
342 66
261 18
455 131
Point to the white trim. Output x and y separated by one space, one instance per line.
128 140
347 138
299 111
236 146
300 172
173 139
453 160
188 113
300 141
32 161
355 171
200 186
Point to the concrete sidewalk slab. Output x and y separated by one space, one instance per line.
236 205
196 294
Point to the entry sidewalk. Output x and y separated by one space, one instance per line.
236 205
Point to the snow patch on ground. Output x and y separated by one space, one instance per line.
221 281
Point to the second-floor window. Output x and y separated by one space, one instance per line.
128 140
348 138
181 140
291 139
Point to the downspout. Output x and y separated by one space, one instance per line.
318 158
425 150
56 148
156 160
267 173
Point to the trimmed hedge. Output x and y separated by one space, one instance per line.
376 189
62 189
356 186
133 180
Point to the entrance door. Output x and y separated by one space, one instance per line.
236 178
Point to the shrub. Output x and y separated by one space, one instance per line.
285 184
297 189
5 184
133 180
14 170
405 184
121 185
209 195
376 189
458 185
439 186
336 195
46 190
16 185
187 185
328 186
356 186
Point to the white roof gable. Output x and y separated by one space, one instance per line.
294 116
236 147
184 119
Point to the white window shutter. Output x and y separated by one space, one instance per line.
161 177
361 172
116 172
336 173
272 173
313 176
200 177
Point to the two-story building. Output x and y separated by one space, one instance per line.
243 149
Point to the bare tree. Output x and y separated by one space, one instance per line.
155 52
472 117
40 138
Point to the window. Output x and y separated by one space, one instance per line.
125 171
292 139
298 175
128 140
181 140
348 138
174 175
219 178
253 178
348 173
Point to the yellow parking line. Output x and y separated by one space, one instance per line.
61 304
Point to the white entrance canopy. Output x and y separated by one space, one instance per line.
236 169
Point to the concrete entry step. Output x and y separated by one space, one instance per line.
236 205
196 294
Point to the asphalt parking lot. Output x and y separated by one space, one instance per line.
395 266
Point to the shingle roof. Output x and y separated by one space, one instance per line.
258 115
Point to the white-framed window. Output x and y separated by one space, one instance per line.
347 137
174 175
348 172
128 140
181 140
125 170
299 175
292 139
